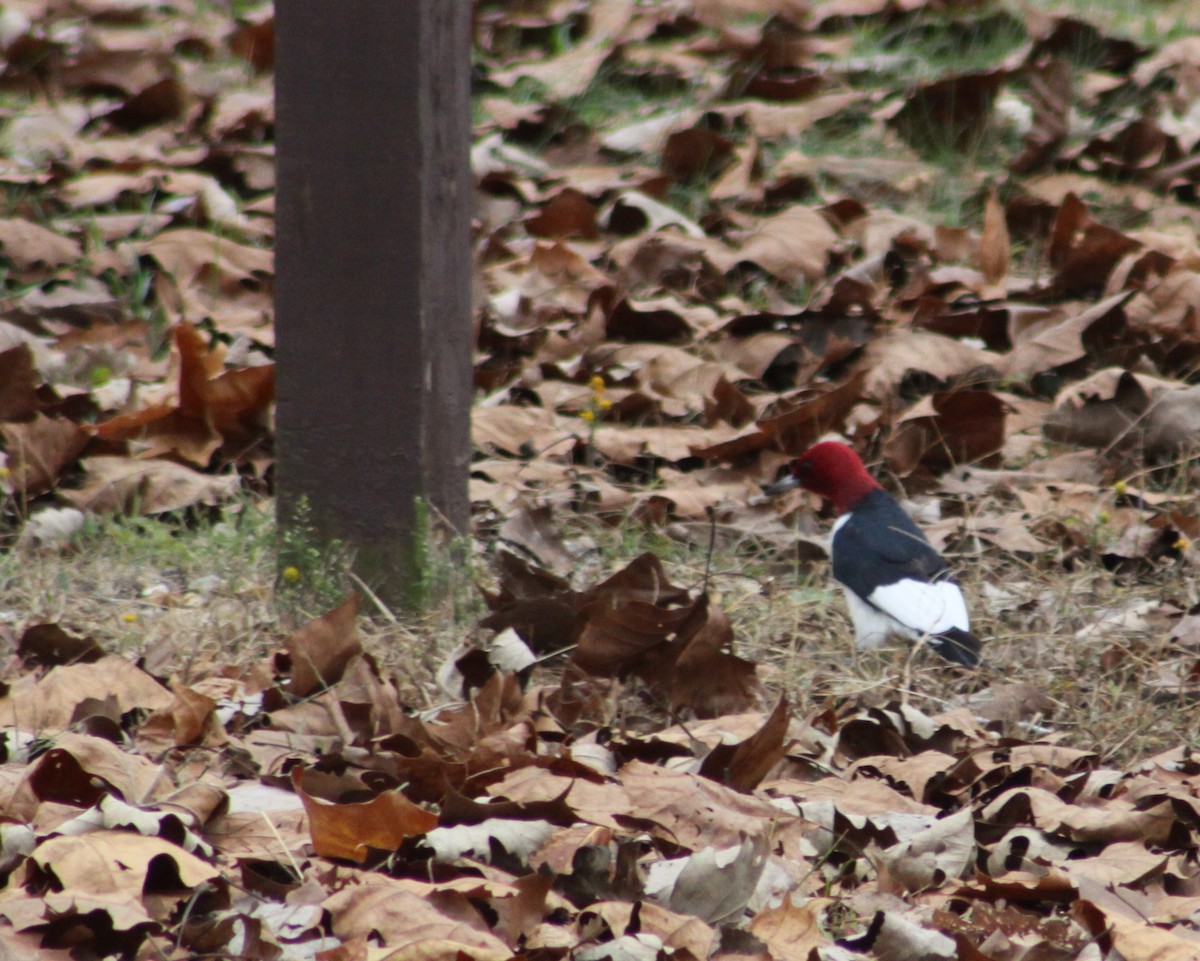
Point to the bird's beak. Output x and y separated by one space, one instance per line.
786 483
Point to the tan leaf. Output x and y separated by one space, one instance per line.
682 933
940 853
349 830
709 680
793 245
39 451
197 256
694 810
1119 820
890 358
320 650
213 406
793 929
117 864
1136 940
148 486
519 430
49 704
414 918
28 245
993 244
596 803
190 720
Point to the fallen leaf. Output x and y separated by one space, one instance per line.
319 650
123 485
348 830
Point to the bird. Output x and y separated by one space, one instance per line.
895 582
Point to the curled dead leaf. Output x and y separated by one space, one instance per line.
349 831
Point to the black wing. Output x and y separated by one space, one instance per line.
880 529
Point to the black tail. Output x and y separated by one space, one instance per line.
961 647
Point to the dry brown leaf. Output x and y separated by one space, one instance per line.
695 153
319 651
190 720
746 764
50 645
1117 821
19 381
708 680
680 932
348 831
948 429
49 704
1063 342
674 800
793 929
940 853
889 359
597 803
1117 410
994 250
1134 938
29 245
213 407
568 214
793 245
414 917
123 867
39 451
120 484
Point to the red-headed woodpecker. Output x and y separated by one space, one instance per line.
895 582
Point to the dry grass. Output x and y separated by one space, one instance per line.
1052 621
186 597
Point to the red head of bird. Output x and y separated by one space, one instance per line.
832 470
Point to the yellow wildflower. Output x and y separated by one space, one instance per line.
604 403
291 574
1120 487
1182 544
129 618
588 415
597 384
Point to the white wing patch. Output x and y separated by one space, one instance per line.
923 607
872 628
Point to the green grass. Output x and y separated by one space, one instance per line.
200 588
616 99
1157 22
926 46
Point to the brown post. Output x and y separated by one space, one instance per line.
373 288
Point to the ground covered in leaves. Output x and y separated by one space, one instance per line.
961 236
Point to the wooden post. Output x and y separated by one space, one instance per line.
373 288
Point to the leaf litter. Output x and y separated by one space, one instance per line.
707 234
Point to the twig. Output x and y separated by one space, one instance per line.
712 543
287 852
386 611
